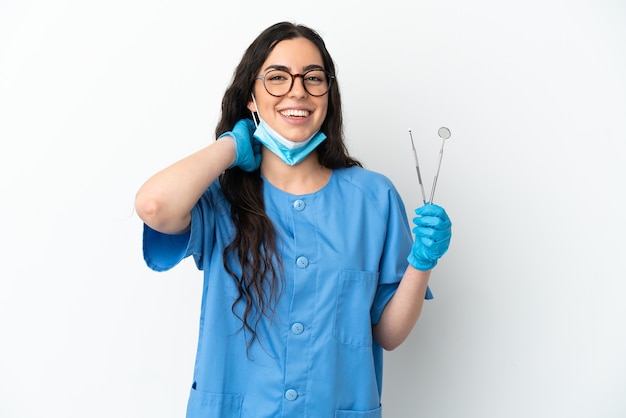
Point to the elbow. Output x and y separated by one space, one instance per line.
146 208
390 345
158 216
388 341
152 213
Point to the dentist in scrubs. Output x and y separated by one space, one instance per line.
310 267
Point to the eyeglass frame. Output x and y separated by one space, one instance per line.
331 78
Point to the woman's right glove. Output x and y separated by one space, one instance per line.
432 236
248 149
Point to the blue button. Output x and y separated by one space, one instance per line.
299 205
302 262
297 328
291 395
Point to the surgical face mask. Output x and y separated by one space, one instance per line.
290 152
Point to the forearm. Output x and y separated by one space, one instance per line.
165 200
403 310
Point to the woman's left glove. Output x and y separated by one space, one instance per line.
432 236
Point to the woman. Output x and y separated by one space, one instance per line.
304 252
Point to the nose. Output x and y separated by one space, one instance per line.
298 88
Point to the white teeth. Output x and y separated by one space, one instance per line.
295 113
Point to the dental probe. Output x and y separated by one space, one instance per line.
417 168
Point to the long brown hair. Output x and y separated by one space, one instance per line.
255 238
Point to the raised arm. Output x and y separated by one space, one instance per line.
164 202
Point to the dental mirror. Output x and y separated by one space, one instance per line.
444 133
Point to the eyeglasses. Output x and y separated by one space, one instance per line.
316 82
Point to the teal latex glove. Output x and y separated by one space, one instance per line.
248 149
432 236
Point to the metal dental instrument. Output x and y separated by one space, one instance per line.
417 168
444 133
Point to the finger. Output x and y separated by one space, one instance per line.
432 234
430 209
432 222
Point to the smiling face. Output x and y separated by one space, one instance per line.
297 115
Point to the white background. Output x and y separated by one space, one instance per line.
528 318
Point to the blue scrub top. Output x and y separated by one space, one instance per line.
344 252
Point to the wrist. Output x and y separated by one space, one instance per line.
420 263
228 148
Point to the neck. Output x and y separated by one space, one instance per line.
306 177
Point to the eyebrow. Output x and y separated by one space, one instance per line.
284 68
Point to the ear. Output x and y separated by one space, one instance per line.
251 106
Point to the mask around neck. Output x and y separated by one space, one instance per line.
290 152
